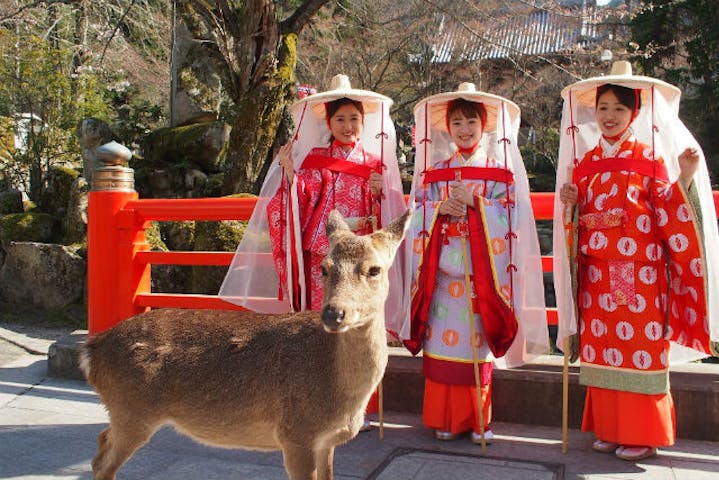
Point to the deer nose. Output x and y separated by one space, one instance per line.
332 317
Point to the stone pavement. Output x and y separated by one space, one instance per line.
48 429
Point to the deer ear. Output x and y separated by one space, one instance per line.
391 235
335 223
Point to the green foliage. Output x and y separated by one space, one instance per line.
27 227
678 41
540 159
47 101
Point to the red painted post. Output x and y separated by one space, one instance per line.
113 239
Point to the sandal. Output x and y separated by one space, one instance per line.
445 436
604 447
633 454
477 438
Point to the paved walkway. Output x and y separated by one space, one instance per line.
48 429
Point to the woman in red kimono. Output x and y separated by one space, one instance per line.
640 262
471 202
342 157
342 176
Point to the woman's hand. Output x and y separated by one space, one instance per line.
375 183
688 164
568 194
284 157
459 191
452 206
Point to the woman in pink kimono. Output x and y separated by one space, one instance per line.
635 201
342 156
342 176
472 231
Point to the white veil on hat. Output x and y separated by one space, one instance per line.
252 279
499 141
658 125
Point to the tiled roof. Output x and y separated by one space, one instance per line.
536 33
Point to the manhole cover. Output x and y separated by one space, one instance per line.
413 464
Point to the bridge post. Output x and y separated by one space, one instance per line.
114 236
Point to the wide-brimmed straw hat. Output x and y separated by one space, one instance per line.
340 87
438 106
584 92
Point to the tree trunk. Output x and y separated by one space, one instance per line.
259 115
257 55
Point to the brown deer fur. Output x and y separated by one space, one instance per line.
295 382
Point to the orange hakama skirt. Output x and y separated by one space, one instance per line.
628 418
453 408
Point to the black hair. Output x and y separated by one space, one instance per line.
332 107
467 108
628 97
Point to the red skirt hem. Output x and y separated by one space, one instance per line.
630 419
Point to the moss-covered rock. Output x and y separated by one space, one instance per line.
175 236
74 222
154 237
178 235
27 227
10 202
56 197
49 276
200 145
213 187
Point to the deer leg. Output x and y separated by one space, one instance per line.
115 446
299 462
325 460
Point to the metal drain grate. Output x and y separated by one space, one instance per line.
414 464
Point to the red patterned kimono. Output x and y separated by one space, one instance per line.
641 284
328 179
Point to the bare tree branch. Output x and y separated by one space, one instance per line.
13 15
117 27
297 21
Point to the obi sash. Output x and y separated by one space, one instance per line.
449 174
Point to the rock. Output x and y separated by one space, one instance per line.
74 223
214 236
11 202
63 358
27 227
178 235
56 197
48 276
91 133
200 146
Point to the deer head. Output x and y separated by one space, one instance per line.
355 272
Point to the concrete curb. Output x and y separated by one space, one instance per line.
32 345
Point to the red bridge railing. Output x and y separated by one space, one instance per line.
119 257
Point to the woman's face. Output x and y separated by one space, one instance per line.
465 132
613 117
346 124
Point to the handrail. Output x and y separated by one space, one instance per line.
119 258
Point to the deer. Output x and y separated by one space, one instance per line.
295 382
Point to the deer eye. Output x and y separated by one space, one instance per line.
324 270
374 271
